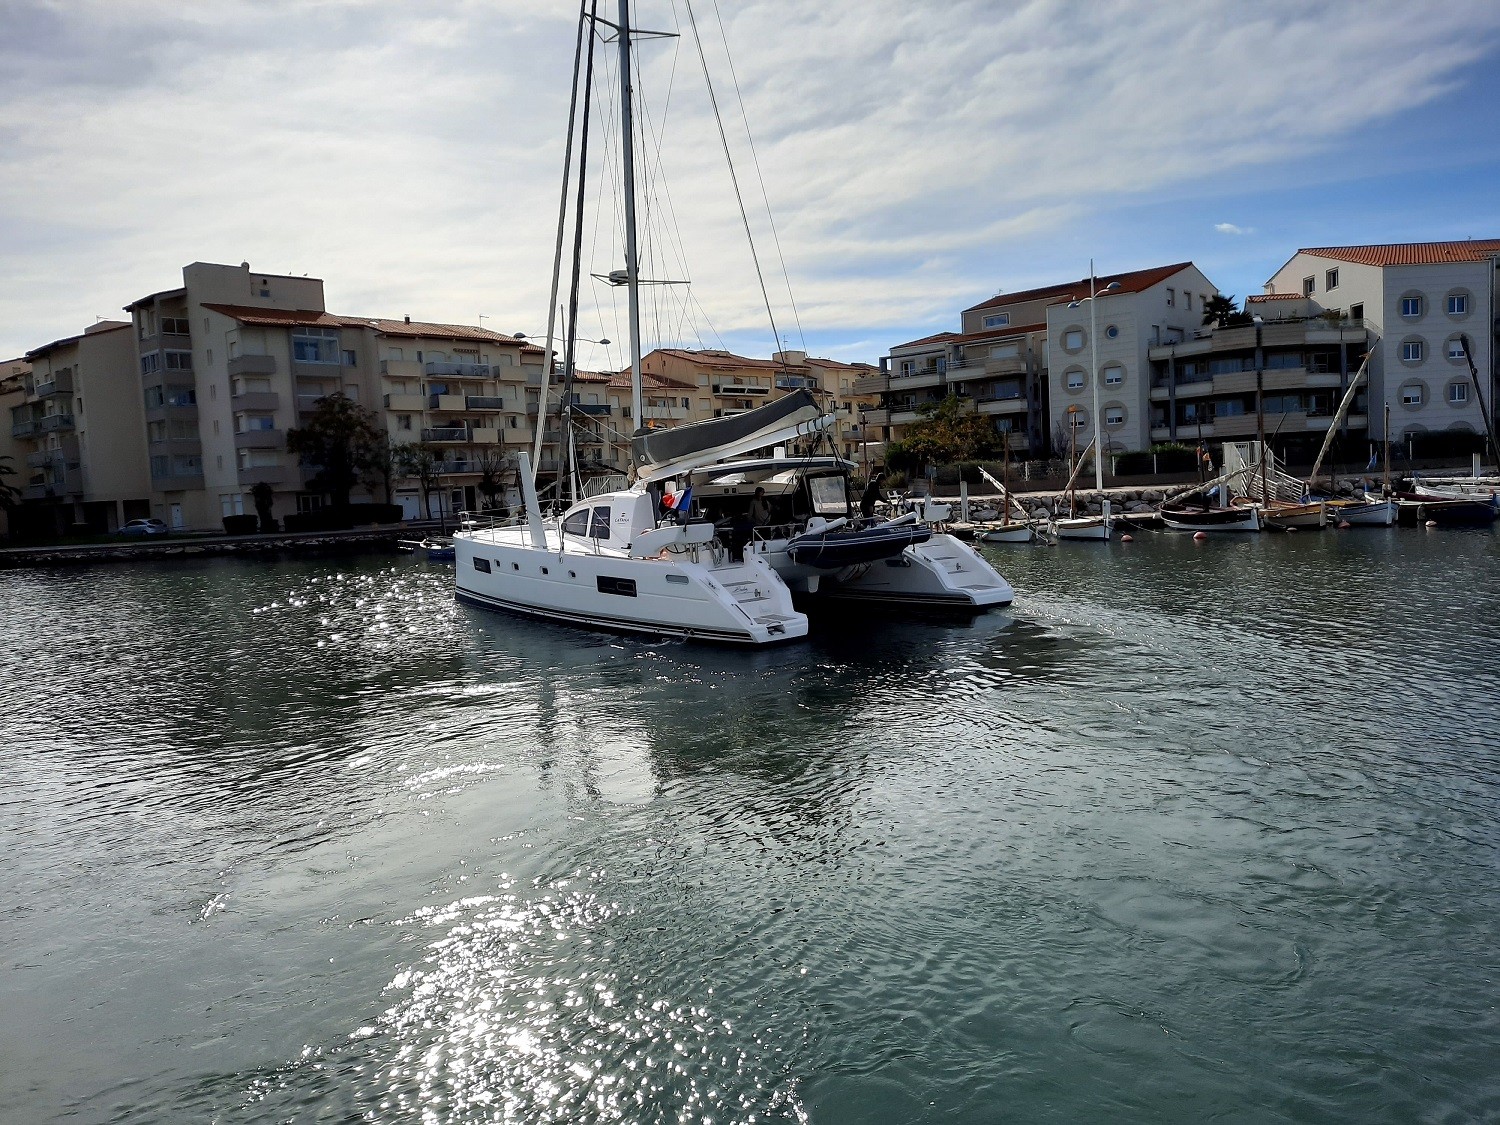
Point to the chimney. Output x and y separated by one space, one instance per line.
408 320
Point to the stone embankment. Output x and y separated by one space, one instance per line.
194 547
1040 505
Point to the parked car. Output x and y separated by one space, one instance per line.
139 528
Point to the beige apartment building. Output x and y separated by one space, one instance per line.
80 434
716 384
1027 359
13 374
234 358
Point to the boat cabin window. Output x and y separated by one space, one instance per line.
828 495
599 526
578 523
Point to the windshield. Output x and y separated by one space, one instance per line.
828 496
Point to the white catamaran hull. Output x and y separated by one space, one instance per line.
941 574
735 603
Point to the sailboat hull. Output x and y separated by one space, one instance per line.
740 604
1081 527
1211 519
1012 533
1374 513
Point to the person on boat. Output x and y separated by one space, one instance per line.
867 501
760 509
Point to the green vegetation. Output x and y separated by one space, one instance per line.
948 431
337 441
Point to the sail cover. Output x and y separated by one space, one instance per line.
664 452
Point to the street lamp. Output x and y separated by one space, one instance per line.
580 339
1093 303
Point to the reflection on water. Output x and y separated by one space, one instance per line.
1196 830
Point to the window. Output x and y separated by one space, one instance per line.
175 325
403 421
348 357
1411 351
251 423
395 353
1456 350
1113 332
1114 416
150 363
154 397
180 361
231 503
1357 312
1458 304
1187 299
1411 394
1309 286
1331 279
1073 339
578 523
1114 375
1411 306
997 320
1171 297
1079 419
599 523
316 345
1075 380
1458 393
156 431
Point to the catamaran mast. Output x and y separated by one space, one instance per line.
632 271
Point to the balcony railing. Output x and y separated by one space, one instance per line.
739 390
460 370
594 408
22 429
252 365
446 433
59 383
43 457
484 402
52 423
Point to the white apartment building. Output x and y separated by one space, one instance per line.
1026 359
1416 301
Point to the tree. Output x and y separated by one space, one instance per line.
10 495
1222 310
262 495
494 467
949 431
425 462
381 462
336 441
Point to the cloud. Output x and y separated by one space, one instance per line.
410 154
1230 228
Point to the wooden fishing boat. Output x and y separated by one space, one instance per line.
1206 517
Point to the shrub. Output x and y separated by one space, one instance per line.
240 525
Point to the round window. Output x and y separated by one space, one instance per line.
1113 331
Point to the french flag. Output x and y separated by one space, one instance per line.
680 501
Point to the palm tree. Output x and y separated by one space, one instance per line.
1221 310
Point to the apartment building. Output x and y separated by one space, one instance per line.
1287 371
1026 359
79 425
13 374
234 358
719 384
1414 303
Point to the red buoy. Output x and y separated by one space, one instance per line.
1196 534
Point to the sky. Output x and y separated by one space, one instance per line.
900 160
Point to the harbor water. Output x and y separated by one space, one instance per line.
1196 831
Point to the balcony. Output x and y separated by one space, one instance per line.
876 417
459 370
445 402
22 429
486 435
917 380
796 383
58 383
177 447
316 369
1002 404
306 404
252 365
483 402
443 434
54 423
44 457
594 408
664 413
405 403
872 384
261 401
269 474
739 390
401 368
260 439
